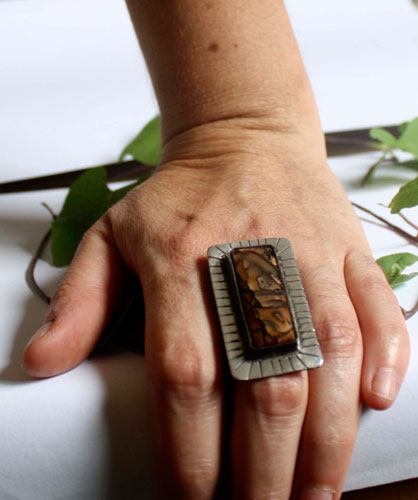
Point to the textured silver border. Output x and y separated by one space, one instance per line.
307 353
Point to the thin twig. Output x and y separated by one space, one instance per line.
370 172
409 237
392 156
407 220
411 312
52 213
413 240
30 271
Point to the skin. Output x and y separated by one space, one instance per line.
243 157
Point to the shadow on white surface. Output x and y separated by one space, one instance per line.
131 441
22 233
84 435
13 372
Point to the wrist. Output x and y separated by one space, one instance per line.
265 138
285 108
211 63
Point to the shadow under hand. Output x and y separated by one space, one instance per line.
34 313
132 460
25 233
131 471
119 358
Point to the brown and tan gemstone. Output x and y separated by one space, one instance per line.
263 297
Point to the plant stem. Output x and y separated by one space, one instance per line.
409 237
407 220
30 271
370 172
411 312
52 213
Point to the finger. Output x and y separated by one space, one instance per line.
332 416
185 384
79 308
385 337
267 424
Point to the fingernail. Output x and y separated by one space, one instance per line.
318 494
384 383
40 333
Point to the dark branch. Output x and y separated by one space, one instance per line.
409 237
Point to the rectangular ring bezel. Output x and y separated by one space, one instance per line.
246 363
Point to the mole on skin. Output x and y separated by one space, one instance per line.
213 47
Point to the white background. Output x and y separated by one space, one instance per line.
73 90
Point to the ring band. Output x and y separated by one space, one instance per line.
263 311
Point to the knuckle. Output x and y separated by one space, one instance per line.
178 246
393 336
374 283
267 493
181 247
360 258
279 396
371 277
254 220
198 475
333 441
338 334
187 374
99 229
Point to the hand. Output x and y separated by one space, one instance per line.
292 433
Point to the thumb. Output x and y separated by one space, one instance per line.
80 307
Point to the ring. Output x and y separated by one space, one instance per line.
263 311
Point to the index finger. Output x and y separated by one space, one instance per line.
185 384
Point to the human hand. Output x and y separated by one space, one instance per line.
223 182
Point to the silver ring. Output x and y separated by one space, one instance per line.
263 311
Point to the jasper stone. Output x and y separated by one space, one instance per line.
263 297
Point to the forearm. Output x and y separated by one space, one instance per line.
215 60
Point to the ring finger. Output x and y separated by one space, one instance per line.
334 401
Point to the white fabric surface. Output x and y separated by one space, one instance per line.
73 90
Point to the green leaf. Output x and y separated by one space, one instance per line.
402 127
408 141
406 197
401 278
87 192
402 260
393 265
85 203
87 200
384 137
146 147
